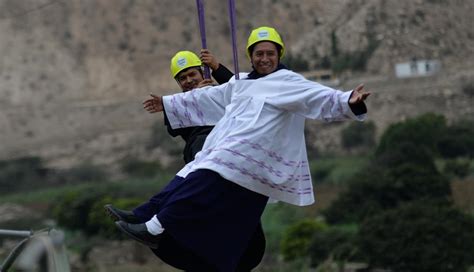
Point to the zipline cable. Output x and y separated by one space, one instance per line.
202 29
234 40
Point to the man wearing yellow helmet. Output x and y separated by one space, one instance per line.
256 152
265 48
186 69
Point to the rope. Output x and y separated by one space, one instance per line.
202 29
234 40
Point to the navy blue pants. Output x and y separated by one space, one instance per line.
211 224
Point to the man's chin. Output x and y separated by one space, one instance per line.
189 88
266 71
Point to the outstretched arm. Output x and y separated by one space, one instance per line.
153 104
199 107
316 101
358 95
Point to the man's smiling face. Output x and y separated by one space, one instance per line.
265 58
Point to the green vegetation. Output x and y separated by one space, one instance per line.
358 135
16 175
400 198
297 238
397 193
336 170
419 236
141 169
334 242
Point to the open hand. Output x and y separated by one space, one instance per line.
153 104
358 95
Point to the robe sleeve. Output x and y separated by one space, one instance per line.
313 100
199 107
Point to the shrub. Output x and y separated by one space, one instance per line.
336 170
276 219
377 189
72 209
358 134
457 140
421 236
85 172
334 242
457 168
21 174
103 225
423 131
83 210
141 169
406 153
297 238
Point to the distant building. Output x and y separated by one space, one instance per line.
416 68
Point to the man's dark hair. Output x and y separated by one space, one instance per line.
278 47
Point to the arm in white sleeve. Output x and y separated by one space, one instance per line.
199 107
313 100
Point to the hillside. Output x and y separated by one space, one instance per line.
73 73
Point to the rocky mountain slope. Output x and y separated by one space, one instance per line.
73 73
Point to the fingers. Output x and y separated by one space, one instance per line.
359 88
153 105
358 95
205 54
205 82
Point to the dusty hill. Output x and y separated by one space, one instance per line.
73 73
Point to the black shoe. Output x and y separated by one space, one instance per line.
121 215
139 233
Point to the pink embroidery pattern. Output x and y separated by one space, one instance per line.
175 111
198 111
262 180
186 112
270 153
261 164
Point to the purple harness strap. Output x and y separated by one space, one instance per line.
234 40
202 29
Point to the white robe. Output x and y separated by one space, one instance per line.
258 140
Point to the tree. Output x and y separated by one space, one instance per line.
337 243
423 131
457 140
297 238
419 236
21 174
358 134
407 174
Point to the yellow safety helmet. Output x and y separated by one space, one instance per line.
265 33
184 60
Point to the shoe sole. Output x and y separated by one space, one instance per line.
110 212
151 245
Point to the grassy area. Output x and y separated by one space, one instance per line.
336 170
133 187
